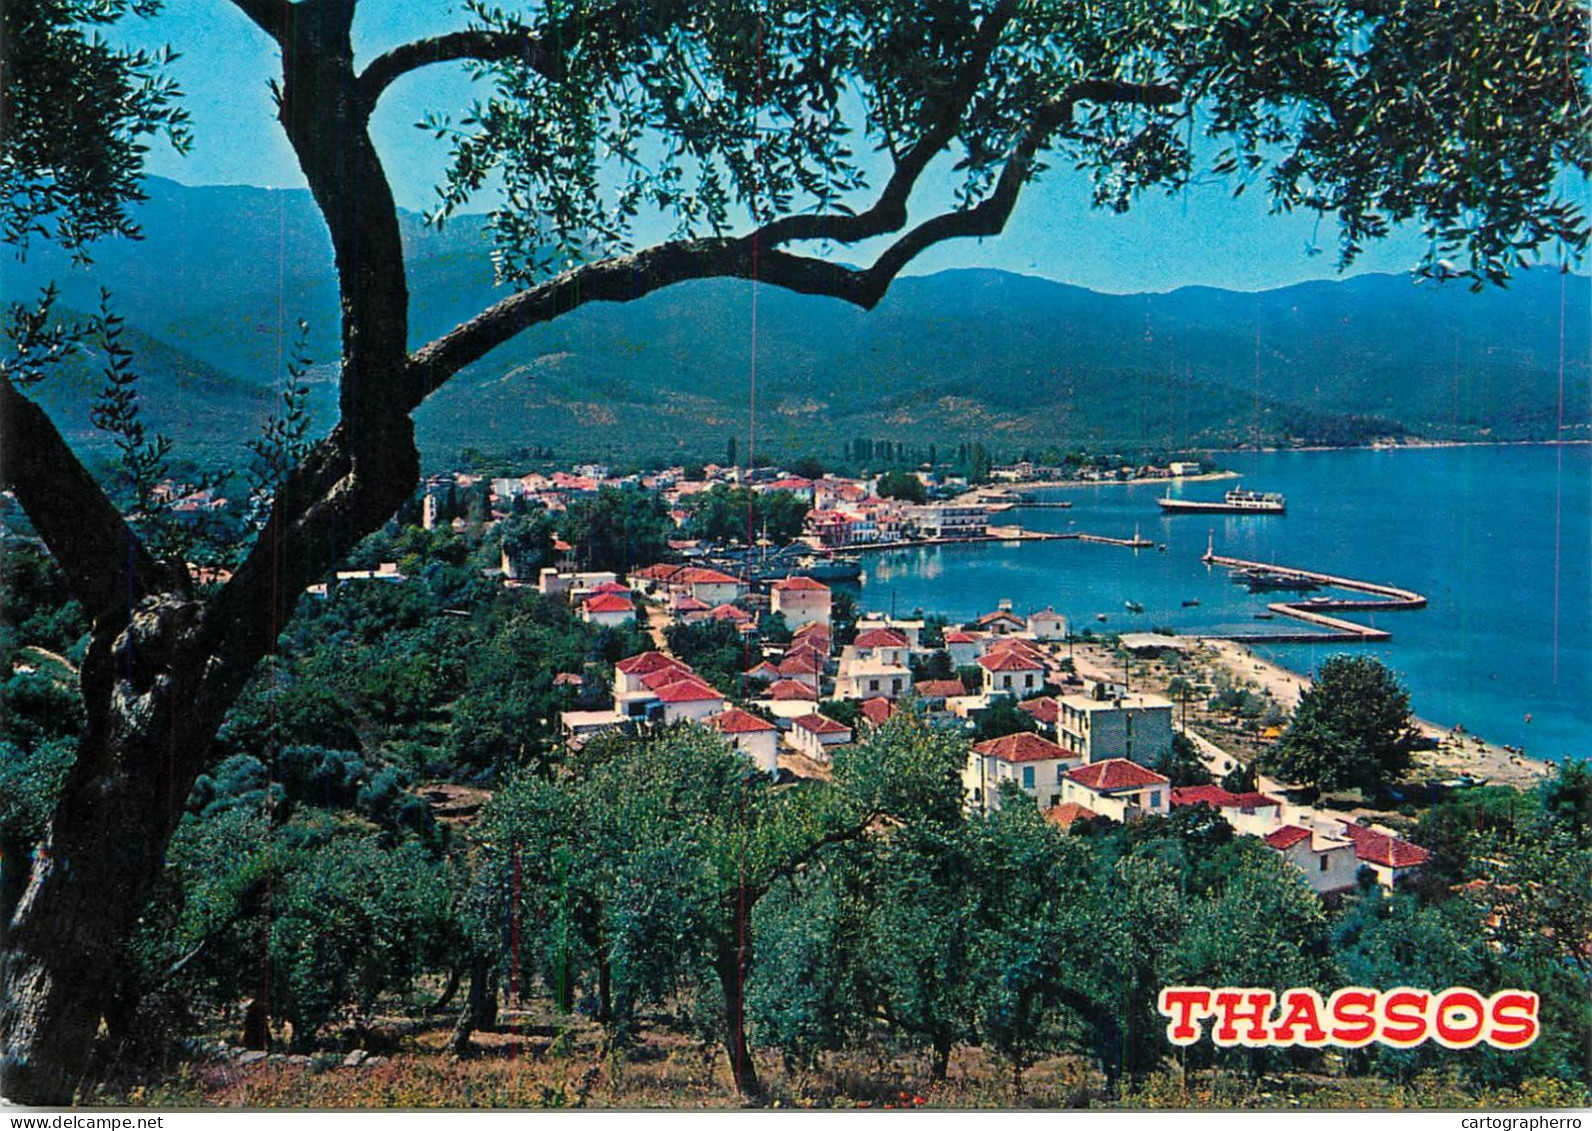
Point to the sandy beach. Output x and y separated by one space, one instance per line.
1457 753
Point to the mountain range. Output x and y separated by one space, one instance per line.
213 290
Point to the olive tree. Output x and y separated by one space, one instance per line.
758 136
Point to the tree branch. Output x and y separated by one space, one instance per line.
479 44
630 277
106 564
944 115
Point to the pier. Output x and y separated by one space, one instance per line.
1134 543
1317 612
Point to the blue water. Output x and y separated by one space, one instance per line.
1497 538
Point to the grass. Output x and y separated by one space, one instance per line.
540 1060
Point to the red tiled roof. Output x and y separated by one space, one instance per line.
699 576
811 628
730 612
791 689
877 711
991 618
765 670
940 688
806 583
737 721
609 603
962 638
1021 747
1046 710
611 587
1115 773
881 638
690 605
662 571
1218 798
1379 848
818 724
1008 662
1021 647
794 483
1068 812
648 662
690 690
663 677
804 664
567 679
1286 837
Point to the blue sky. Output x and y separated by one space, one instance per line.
1200 236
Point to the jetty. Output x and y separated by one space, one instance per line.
1134 543
1317 611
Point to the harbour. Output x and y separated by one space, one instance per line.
1493 537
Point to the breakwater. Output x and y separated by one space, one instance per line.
1317 611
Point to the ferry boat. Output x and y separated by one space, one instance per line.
1239 500
1133 606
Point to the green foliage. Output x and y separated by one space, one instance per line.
1002 717
1352 728
715 648
1182 763
617 530
74 116
738 514
901 485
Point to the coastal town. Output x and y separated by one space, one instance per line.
1080 726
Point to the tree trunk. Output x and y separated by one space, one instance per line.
940 1063
480 1005
732 966
137 760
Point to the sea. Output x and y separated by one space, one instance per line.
1497 537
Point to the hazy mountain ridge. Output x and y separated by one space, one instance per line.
1016 361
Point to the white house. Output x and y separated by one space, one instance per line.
1098 726
881 645
629 673
801 600
1047 624
1328 863
709 585
688 698
1002 622
1036 764
788 699
1119 789
964 648
756 738
609 610
1011 673
1253 814
1391 858
804 665
866 679
816 736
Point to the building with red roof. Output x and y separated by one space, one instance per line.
876 712
610 610
1251 813
1119 789
1037 765
940 689
816 736
755 737
801 601
1327 863
1069 813
1391 858
1012 674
